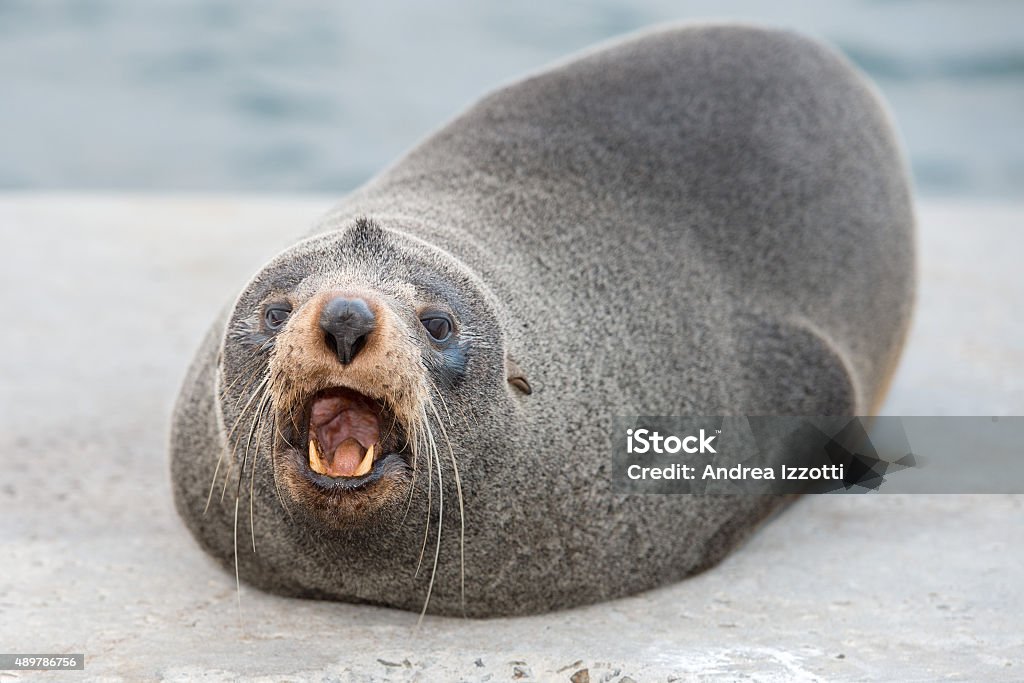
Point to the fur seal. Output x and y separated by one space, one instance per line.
410 406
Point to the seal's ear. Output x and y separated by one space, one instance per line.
516 376
792 368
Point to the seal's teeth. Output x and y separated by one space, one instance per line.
366 464
316 460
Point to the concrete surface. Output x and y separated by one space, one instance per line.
102 303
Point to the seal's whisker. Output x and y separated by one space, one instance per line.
415 432
257 418
252 399
248 443
247 373
411 439
220 457
248 392
238 581
444 404
260 392
430 486
213 481
440 524
462 512
392 425
273 463
290 399
252 472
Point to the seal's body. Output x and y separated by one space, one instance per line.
697 221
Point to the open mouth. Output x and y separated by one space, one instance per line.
348 436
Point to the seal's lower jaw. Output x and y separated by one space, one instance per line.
343 458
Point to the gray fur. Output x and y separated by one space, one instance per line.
696 220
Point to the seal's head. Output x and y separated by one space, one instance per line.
341 357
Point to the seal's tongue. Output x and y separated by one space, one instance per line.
344 428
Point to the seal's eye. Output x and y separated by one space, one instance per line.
439 326
275 315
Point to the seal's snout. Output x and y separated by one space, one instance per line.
347 324
347 382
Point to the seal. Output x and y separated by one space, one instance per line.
410 406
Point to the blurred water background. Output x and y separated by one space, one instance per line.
317 95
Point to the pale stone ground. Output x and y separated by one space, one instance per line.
103 300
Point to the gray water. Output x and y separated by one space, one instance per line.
317 95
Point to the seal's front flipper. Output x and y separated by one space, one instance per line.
792 368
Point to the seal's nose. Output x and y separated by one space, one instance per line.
347 323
